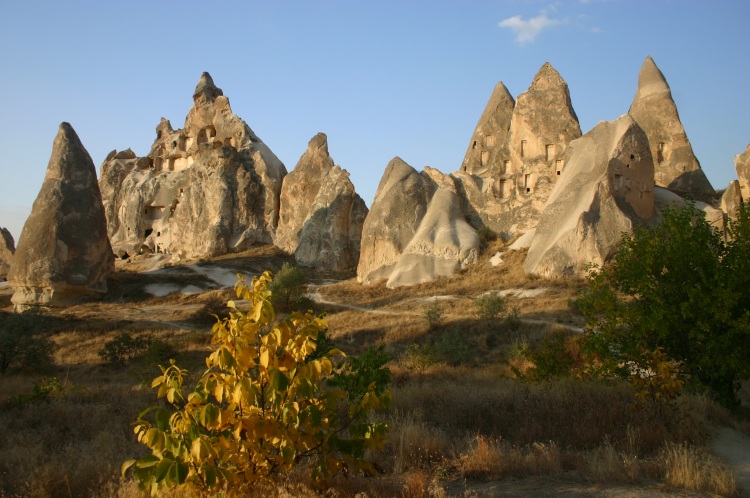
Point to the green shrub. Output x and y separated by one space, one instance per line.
486 235
452 348
288 288
124 348
44 389
491 306
433 314
22 343
418 358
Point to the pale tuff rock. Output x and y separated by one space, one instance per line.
210 188
7 248
607 186
508 186
63 253
742 165
490 137
321 214
731 200
664 197
653 108
415 231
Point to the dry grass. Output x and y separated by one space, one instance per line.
452 422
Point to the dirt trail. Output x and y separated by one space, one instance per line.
734 447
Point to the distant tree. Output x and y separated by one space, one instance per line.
682 287
288 287
22 342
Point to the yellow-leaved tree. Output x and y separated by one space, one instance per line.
269 400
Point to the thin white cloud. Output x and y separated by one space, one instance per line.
527 31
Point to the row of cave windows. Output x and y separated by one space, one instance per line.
489 141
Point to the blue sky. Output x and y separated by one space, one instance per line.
381 79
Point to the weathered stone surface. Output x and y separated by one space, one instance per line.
653 108
210 188
607 186
742 165
509 194
415 231
664 197
321 215
731 199
7 248
490 137
63 254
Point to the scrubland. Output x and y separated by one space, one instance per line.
462 422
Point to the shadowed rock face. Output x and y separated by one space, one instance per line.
653 108
519 154
731 199
63 254
321 215
608 185
7 248
207 189
415 231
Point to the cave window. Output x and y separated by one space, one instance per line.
527 182
489 141
148 232
211 132
660 152
550 151
474 145
125 256
508 167
558 166
523 148
485 157
174 143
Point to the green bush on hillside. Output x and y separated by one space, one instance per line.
21 343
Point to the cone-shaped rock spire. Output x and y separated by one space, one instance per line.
491 134
653 108
205 90
63 253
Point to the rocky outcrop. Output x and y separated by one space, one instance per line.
522 163
731 199
321 215
607 186
742 165
653 108
7 248
63 254
210 188
415 231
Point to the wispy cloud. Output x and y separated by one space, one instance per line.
528 30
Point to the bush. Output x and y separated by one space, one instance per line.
682 287
433 314
491 306
124 348
486 235
21 343
263 406
452 348
288 288
418 358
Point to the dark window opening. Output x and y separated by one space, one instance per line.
148 232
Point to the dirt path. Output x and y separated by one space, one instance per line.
734 447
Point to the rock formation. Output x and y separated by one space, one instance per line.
321 216
7 248
63 253
520 154
415 231
742 165
207 189
608 184
653 108
731 199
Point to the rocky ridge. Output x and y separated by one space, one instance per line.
7 248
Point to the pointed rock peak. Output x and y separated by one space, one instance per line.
69 157
651 80
501 92
319 141
206 91
547 77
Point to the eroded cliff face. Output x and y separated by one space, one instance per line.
63 254
676 167
607 187
209 188
415 231
7 248
321 214
516 154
